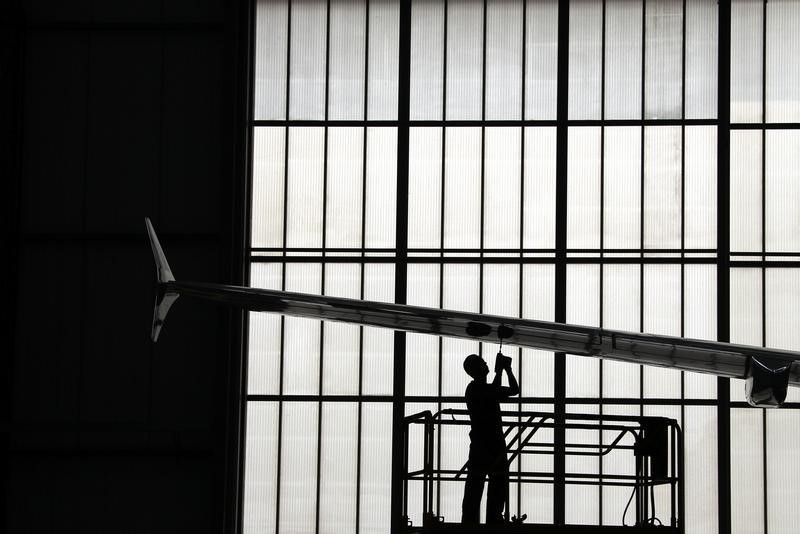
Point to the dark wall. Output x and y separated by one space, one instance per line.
121 110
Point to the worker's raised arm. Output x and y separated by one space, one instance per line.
513 387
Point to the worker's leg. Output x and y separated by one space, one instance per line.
498 489
473 490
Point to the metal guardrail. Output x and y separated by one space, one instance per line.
655 444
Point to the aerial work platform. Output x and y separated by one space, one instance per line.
647 451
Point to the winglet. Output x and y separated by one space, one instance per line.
164 297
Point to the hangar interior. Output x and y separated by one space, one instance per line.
627 164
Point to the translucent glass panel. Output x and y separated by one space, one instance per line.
783 464
746 191
447 79
700 322
662 315
302 337
702 36
338 466
539 184
621 311
623 61
747 62
662 187
700 187
502 195
504 44
583 308
461 290
536 367
622 187
782 191
264 346
269 173
261 465
700 466
342 183
422 351
585 54
298 469
462 188
341 343
582 502
747 471
360 55
378 343
618 462
583 188
783 61
746 309
271 46
376 462
541 59
663 59
425 187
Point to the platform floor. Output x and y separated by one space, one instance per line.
532 528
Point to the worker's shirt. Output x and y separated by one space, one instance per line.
483 403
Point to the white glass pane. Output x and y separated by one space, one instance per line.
662 187
662 315
539 196
305 187
702 36
538 302
585 58
782 195
383 61
338 466
746 315
269 145
504 59
261 466
700 465
582 502
746 191
301 337
427 59
264 346
618 462
583 189
464 59
700 181
270 63
298 484
782 310
454 443
541 59
307 60
747 39
537 499
623 78
377 368
415 461
376 462
662 493
501 216
424 187
700 322
663 59
381 193
583 308
622 181
462 189
500 297
345 185
340 341
747 471
783 464
460 291
621 305
422 350
347 56
783 61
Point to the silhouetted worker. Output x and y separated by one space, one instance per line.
487 448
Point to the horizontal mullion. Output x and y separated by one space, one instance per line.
485 123
514 401
766 126
508 250
510 260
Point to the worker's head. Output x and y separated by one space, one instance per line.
476 367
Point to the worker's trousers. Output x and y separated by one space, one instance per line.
483 463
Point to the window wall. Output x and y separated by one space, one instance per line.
617 163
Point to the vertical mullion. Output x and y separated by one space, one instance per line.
521 239
324 244
602 244
441 241
362 264
559 378
483 164
283 265
683 194
764 240
641 197
723 262
401 266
